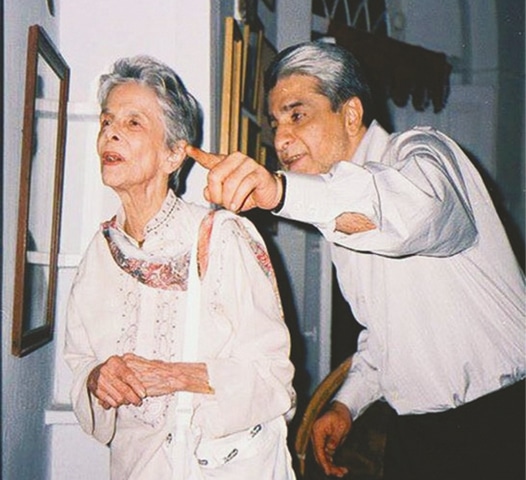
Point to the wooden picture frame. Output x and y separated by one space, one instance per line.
231 92
40 200
244 126
252 78
250 137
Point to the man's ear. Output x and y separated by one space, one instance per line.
176 158
353 111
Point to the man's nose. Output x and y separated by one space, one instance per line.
282 138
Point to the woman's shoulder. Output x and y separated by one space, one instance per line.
224 222
194 210
222 231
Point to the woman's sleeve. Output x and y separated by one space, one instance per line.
252 377
93 419
417 201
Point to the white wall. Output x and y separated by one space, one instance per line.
26 382
94 33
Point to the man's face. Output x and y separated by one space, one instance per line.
309 136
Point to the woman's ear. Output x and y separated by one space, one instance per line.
353 110
176 158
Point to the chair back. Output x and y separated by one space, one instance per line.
323 393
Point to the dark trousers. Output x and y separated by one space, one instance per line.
482 440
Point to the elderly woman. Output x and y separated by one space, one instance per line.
181 366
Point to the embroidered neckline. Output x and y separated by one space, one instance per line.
166 274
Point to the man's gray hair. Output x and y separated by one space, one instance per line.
339 74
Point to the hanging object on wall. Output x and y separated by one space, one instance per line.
231 91
402 71
246 53
51 7
244 127
40 198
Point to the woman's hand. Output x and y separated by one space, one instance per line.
328 433
115 384
162 378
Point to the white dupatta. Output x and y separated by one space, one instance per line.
184 462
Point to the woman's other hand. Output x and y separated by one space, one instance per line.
115 384
162 378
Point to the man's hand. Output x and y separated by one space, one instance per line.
237 182
328 433
115 384
162 378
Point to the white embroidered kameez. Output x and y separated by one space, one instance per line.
243 339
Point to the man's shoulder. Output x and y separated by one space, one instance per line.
418 140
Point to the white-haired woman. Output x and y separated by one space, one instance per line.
183 374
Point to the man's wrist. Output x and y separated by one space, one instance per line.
282 180
341 409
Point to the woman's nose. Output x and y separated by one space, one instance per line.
111 132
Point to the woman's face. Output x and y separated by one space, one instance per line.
131 142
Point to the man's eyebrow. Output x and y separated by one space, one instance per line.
292 105
287 108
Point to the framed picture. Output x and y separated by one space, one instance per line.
40 200
250 137
51 7
253 40
244 125
231 91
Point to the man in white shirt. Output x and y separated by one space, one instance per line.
421 257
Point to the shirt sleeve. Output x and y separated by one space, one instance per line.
93 419
361 388
252 377
416 200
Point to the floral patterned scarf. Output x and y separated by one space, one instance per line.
163 273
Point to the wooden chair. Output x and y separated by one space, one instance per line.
323 393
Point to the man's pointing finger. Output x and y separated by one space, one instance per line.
206 159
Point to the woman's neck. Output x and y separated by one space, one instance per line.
139 210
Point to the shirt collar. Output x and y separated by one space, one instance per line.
372 145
